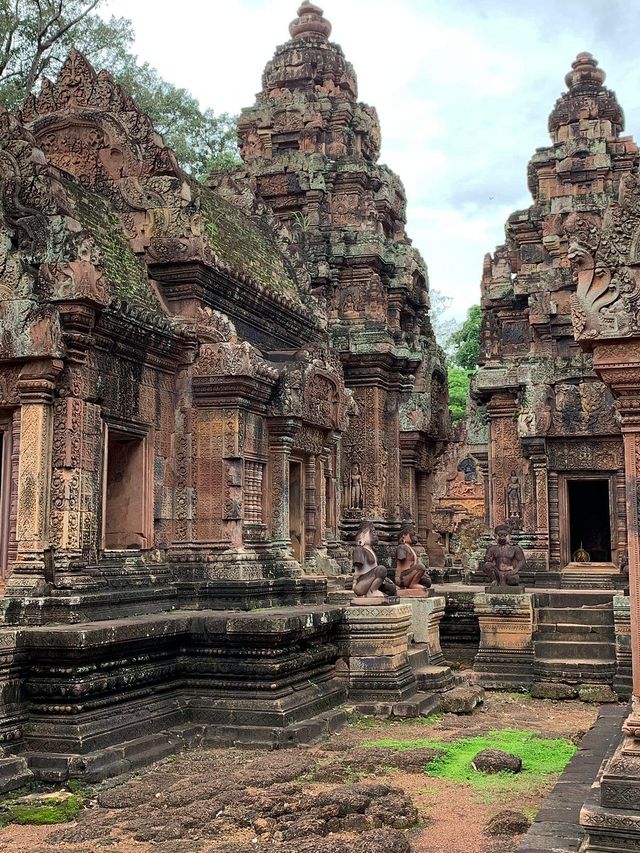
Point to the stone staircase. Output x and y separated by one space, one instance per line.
574 637
432 673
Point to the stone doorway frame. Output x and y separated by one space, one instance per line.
5 494
564 478
134 432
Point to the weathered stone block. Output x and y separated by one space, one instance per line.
505 654
426 615
376 645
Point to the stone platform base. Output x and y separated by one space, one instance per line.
103 696
366 601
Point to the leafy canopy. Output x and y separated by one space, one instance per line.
458 381
464 343
36 36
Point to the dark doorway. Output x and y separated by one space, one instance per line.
590 520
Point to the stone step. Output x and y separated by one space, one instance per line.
571 598
575 670
587 581
14 772
568 650
418 655
419 705
575 633
600 615
436 678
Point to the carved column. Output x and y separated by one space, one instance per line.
483 467
311 510
324 504
36 386
280 442
535 450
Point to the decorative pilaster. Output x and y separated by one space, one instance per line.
311 508
36 387
280 443
504 458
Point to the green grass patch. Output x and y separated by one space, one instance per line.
41 811
541 758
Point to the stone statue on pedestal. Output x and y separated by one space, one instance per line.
410 572
503 561
370 579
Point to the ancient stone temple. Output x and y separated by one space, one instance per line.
605 307
552 451
181 457
161 360
310 152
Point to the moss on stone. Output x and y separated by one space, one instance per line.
41 811
246 245
125 273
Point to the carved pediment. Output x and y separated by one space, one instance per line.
606 267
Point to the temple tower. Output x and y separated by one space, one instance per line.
310 151
545 430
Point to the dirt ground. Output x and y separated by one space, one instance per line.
335 797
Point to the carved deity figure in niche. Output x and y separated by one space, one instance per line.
369 579
468 468
356 494
410 572
503 561
514 496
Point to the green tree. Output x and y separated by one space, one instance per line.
442 323
458 381
35 37
464 343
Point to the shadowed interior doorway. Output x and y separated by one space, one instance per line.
590 519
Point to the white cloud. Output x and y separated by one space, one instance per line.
463 89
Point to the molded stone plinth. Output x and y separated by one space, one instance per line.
412 593
363 601
102 694
505 655
375 644
622 627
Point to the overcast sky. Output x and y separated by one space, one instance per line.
463 89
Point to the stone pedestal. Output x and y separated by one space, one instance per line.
426 616
505 655
375 645
611 815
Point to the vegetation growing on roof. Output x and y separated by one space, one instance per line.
245 246
125 273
